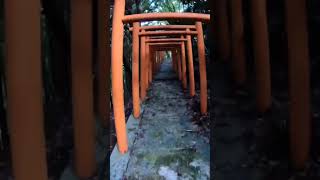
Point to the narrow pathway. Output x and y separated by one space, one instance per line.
167 145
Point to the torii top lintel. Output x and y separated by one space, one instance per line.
165 44
165 16
166 40
162 33
165 47
166 27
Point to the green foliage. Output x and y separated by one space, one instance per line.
169 6
199 6
127 63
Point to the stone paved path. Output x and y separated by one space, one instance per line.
167 145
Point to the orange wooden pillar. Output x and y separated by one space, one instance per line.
153 62
143 85
179 64
222 29
299 82
104 60
24 89
237 36
148 64
172 60
261 54
175 61
157 61
183 63
162 56
117 75
202 69
190 65
82 88
135 69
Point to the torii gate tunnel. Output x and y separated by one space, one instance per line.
119 18
24 82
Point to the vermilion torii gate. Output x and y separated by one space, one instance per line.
175 27
168 33
182 60
172 45
183 56
119 19
181 45
146 70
